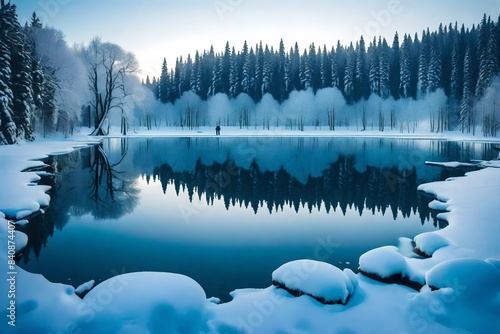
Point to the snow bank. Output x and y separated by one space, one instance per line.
476 277
20 195
146 302
450 164
322 281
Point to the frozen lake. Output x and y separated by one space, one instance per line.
229 211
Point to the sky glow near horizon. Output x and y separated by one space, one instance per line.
154 29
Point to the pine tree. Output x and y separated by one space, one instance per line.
467 98
164 86
21 72
7 125
374 73
385 88
234 79
196 82
279 79
395 68
305 71
295 67
267 69
326 69
405 71
349 74
259 68
488 61
361 83
225 70
434 74
335 69
247 70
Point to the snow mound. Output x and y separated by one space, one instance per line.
428 243
322 281
84 287
472 275
384 262
438 205
146 302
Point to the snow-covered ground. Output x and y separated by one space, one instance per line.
459 271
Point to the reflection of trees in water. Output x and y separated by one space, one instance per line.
103 192
340 186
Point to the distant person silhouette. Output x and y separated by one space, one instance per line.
217 130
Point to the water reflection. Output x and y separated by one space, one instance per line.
84 182
113 203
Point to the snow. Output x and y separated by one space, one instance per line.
464 267
450 164
384 262
428 243
146 302
320 280
85 287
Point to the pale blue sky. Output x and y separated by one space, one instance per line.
154 29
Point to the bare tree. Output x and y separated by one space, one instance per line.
107 67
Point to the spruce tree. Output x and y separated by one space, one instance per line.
164 85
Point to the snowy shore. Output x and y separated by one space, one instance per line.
460 271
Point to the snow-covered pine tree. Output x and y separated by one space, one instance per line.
361 82
350 73
374 65
467 98
488 61
279 84
225 70
385 88
195 82
267 68
21 78
259 68
405 71
247 70
326 69
234 80
335 80
187 70
434 74
305 71
7 125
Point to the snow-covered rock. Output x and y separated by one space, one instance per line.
322 281
387 265
427 243
146 302
384 262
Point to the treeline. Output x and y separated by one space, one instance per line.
460 61
41 79
47 86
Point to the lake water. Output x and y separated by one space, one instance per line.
229 211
